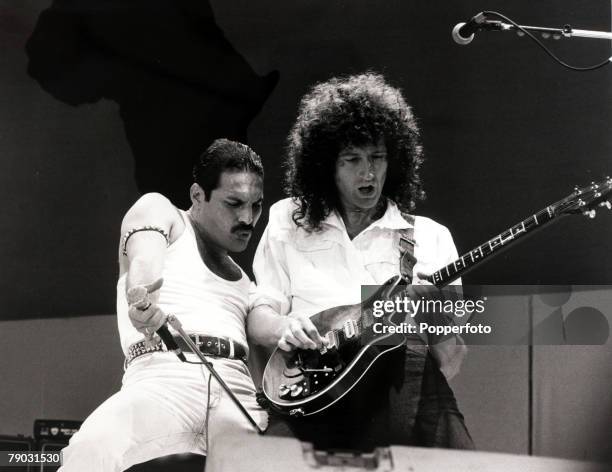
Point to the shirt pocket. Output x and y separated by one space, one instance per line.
321 254
317 268
381 257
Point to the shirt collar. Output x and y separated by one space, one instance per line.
392 219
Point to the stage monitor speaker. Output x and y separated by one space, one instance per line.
48 447
16 443
251 453
55 430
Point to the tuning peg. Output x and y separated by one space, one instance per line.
590 213
606 204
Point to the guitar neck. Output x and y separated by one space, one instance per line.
494 246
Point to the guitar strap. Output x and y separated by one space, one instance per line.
406 245
407 262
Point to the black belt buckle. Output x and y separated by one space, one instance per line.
196 339
215 346
206 346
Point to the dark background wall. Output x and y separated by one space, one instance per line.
506 130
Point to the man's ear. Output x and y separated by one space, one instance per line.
196 193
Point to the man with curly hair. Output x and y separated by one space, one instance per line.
353 175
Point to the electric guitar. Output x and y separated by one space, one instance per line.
305 382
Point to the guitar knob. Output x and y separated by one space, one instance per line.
590 213
283 390
606 204
296 390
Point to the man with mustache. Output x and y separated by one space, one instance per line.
177 262
353 163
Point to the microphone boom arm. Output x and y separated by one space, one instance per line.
566 32
481 23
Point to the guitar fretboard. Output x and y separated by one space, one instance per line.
470 259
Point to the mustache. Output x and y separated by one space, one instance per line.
242 227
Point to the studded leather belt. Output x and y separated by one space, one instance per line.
208 345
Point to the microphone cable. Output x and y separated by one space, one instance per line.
546 50
206 431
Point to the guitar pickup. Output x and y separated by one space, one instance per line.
349 328
332 341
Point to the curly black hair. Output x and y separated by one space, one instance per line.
350 111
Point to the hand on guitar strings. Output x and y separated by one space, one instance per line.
299 332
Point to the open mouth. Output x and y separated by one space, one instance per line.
366 190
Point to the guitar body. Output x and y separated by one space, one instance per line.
304 382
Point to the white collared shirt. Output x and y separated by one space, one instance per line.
301 272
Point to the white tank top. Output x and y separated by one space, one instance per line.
203 302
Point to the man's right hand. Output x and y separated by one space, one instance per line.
299 332
146 316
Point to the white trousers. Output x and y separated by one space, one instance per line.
164 407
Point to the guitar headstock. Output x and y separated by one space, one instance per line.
585 200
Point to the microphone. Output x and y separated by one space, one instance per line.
463 33
139 297
169 341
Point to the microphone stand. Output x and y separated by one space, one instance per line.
176 324
566 32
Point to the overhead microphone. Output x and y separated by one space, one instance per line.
463 33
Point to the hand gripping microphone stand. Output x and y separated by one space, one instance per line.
176 324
